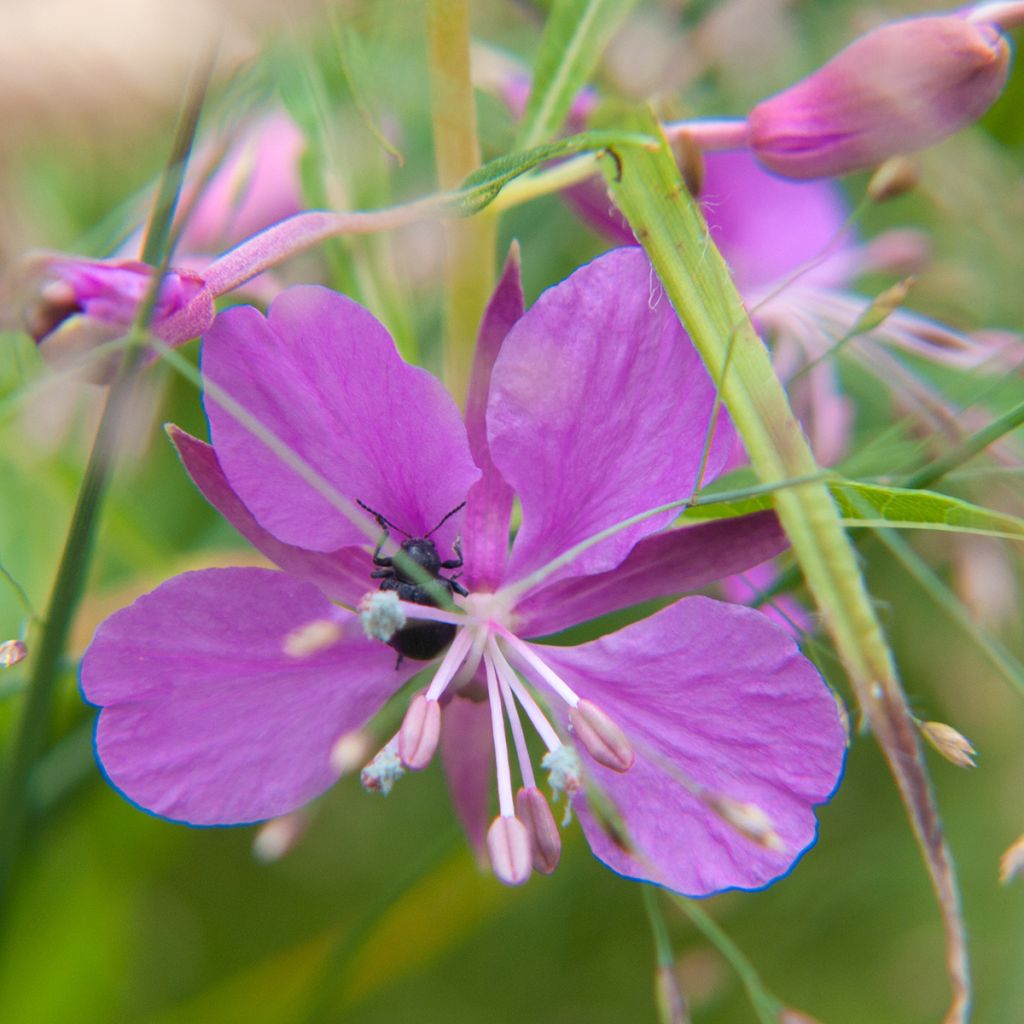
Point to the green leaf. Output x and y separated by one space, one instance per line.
872 505
483 185
575 36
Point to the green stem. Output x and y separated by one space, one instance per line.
647 187
35 721
469 243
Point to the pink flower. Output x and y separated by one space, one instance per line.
897 89
224 692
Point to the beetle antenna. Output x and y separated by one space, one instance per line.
385 522
446 518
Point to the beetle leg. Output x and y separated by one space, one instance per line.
378 558
458 587
383 574
453 563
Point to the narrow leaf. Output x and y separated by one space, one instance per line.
574 38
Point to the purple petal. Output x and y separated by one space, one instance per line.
324 376
467 752
205 719
767 227
598 411
669 563
489 509
342 575
717 693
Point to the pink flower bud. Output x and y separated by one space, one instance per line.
508 844
606 743
898 88
71 305
545 842
420 732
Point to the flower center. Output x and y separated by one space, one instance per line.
524 836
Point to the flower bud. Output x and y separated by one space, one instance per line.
508 844
952 745
897 176
606 743
897 89
545 842
70 305
420 732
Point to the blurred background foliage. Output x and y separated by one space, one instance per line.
380 913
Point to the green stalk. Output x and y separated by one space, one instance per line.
469 243
35 721
765 1005
648 188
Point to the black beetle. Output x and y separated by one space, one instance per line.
420 639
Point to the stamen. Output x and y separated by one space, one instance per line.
564 772
449 663
504 772
381 614
508 843
606 743
386 768
559 685
537 718
420 732
522 752
545 842
426 611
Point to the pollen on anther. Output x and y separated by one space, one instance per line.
381 615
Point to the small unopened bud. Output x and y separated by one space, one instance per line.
508 844
748 819
381 774
897 176
668 996
279 836
952 745
884 305
11 652
606 743
381 615
350 751
420 732
545 842
899 88
1011 864
312 638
